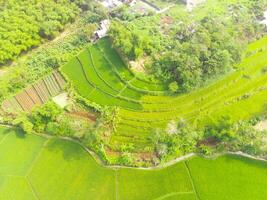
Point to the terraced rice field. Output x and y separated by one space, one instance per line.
33 167
99 75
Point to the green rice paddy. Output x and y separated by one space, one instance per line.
100 75
35 167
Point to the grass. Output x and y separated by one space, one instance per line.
235 177
54 169
15 188
18 152
134 184
73 174
145 105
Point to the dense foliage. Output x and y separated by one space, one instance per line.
222 135
51 55
189 49
153 125
233 136
25 23
179 48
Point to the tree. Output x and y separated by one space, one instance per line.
24 24
173 87
24 123
45 114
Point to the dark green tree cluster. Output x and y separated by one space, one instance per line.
39 119
201 51
25 23
123 13
133 43
53 54
178 139
224 134
236 136
190 50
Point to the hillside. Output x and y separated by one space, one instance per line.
133 100
99 75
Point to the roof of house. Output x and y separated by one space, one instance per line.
104 26
265 18
111 3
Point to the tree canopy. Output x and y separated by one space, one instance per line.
190 48
25 23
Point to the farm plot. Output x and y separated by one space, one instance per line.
37 94
34 167
100 75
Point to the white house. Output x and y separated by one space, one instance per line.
190 4
264 21
111 3
103 29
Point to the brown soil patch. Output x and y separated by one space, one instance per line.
145 156
166 20
112 153
211 141
165 23
83 115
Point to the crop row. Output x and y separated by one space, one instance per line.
37 94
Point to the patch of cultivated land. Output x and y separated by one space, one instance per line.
34 167
99 75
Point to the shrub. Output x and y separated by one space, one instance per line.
24 123
45 114
174 87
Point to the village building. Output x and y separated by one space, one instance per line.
264 21
191 4
103 29
111 3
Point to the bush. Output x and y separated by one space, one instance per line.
24 123
206 150
45 114
24 26
174 87
125 159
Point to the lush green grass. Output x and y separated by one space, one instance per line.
18 152
145 105
145 184
55 169
72 174
15 188
233 178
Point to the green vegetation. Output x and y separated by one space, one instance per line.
99 75
36 63
190 48
226 178
143 96
24 24
31 165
